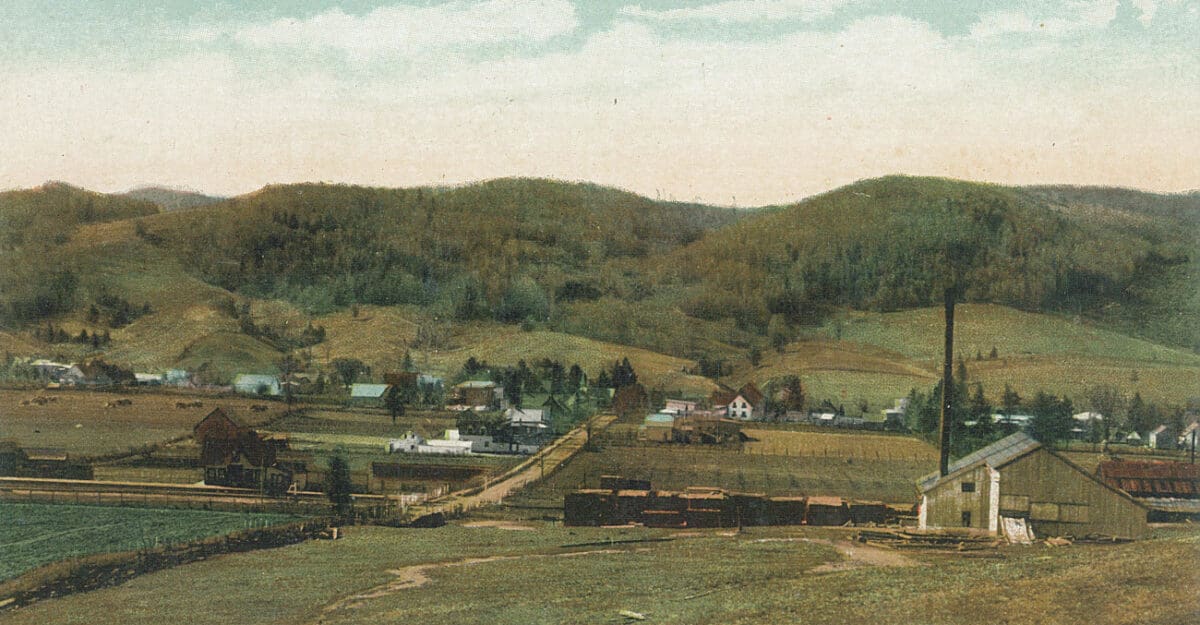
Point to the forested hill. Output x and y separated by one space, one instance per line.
1121 257
504 249
35 281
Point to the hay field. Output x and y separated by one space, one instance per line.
36 534
765 576
79 423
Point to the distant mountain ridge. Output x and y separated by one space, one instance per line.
171 199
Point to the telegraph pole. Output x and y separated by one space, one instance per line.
947 387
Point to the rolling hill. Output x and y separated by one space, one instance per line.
836 288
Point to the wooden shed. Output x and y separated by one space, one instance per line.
1018 478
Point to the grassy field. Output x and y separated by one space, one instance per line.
79 423
978 328
36 534
468 575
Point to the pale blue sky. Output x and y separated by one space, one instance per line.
741 101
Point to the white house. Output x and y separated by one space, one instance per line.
255 384
1161 437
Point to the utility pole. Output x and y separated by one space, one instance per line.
947 387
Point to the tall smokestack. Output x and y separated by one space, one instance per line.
947 388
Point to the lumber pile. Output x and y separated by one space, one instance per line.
937 540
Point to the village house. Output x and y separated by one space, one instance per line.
527 428
746 403
234 455
1018 483
1161 437
1087 426
476 395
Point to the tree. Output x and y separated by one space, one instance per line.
348 369
980 411
1051 418
338 486
755 356
408 362
1011 401
288 366
792 393
1139 417
574 378
394 402
1108 401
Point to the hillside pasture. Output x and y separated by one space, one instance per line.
36 534
505 345
918 334
79 422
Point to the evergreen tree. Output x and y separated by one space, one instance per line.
338 486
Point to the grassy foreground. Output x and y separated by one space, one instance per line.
490 575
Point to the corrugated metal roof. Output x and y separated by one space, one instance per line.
368 391
1171 504
995 455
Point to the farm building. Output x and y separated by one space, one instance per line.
1018 478
218 425
1171 490
16 461
657 428
369 394
451 444
681 407
255 384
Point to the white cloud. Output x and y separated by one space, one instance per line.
766 120
742 11
1050 19
405 29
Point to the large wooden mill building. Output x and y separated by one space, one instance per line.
1020 479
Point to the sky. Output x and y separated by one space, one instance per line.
733 102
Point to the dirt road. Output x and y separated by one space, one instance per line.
541 464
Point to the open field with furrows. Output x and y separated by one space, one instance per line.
365 422
855 445
36 534
79 422
674 467
766 576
